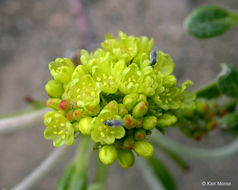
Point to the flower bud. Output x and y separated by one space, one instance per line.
54 89
140 109
125 158
92 110
112 106
130 100
70 116
140 134
201 107
85 125
166 120
139 123
128 143
108 154
53 103
212 125
141 97
65 105
144 149
149 122
78 114
122 110
61 69
130 122
169 81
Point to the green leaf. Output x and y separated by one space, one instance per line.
162 173
210 21
230 121
209 92
227 81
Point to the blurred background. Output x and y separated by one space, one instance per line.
33 33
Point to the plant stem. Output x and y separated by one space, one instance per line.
152 181
42 169
23 121
81 162
102 172
192 152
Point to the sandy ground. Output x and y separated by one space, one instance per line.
32 33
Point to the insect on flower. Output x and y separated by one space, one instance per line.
114 123
153 56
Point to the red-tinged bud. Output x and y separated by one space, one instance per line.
53 103
140 134
112 107
78 114
223 112
92 111
130 122
197 136
122 110
212 125
139 123
205 107
140 109
201 107
70 116
210 115
128 143
65 105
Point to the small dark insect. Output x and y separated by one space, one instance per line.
153 57
130 62
114 123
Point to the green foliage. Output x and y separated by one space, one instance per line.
228 81
210 21
230 121
161 172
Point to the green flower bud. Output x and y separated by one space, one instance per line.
108 154
61 69
169 81
125 158
140 134
141 97
85 125
128 143
53 103
166 120
54 89
130 100
122 111
140 109
149 122
130 122
144 149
